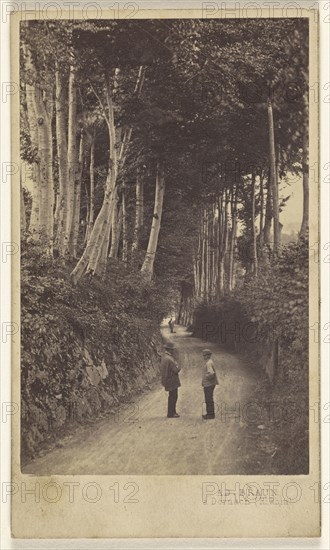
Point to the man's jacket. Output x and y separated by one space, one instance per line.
170 373
209 376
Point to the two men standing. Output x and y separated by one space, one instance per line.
171 381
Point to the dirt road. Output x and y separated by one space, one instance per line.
140 439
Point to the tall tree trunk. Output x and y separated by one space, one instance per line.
204 256
124 215
196 276
179 316
72 163
62 157
233 205
101 267
273 178
215 250
22 210
305 170
253 227
32 116
148 264
268 214
139 207
116 227
220 285
261 219
225 235
197 267
76 203
104 230
40 111
200 260
207 255
44 110
90 220
34 218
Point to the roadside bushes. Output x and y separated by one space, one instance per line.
267 320
84 348
272 306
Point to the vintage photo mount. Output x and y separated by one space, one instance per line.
97 506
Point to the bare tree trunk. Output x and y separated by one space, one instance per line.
261 219
200 261
76 204
69 210
233 205
268 214
62 157
101 267
34 226
213 255
210 255
139 206
273 178
34 218
115 230
179 316
40 110
22 210
215 250
116 227
119 230
207 257
195 271
32 116
148 264
185 315
204 256
305 170
124 215
224 247
253 227
220 286
44 110
104 229
90 220
197 267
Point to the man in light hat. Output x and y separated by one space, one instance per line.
209 381
170 379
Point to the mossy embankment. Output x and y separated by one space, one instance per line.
84 349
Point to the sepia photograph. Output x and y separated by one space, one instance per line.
168 219
164 212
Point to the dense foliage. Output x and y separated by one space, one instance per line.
272 309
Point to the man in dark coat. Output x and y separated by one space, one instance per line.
171 325
170 379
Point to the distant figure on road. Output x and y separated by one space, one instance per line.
170 379
209 381
171 325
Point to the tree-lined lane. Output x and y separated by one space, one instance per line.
142 440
